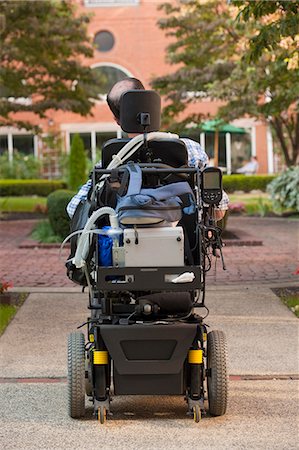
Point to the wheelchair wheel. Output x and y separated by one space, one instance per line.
196 413
217 378
102 414
76 375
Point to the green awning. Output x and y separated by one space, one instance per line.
217 125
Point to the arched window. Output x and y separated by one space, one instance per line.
110 75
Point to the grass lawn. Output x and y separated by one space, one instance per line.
7 312
254 204
21 204
292 302
248 197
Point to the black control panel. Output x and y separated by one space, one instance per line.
211 185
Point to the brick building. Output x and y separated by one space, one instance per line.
129 43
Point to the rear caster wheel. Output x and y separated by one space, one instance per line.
217 373
76 375
196 413
102 414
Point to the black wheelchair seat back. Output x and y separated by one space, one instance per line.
172 152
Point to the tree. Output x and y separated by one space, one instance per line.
41 48
211 50
277 20
77 163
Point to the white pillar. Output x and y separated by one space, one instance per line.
228 142
35 145
253 141
10 147
270 151
93 147
202 140
68 142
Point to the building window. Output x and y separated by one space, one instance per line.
110 75
3 144
24 143
103 137
104 41
94 141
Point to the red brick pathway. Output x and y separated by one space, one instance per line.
275 261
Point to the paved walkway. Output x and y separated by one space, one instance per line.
275 261
262 337
262 411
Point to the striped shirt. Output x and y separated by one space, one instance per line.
196 157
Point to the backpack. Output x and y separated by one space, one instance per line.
152 206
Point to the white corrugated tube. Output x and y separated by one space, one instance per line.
83 242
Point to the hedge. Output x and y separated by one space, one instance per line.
231 183
58 217
16 188
246 183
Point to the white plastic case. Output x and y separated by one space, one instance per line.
154 247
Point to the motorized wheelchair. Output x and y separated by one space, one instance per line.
145 271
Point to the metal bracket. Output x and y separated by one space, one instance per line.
191 402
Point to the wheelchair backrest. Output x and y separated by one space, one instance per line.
172 152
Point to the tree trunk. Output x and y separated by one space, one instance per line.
277 125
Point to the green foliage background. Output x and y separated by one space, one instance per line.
42 45
77 164
17 188
284 190
58 217
210 48
21 167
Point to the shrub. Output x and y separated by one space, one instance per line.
58 217
43 233
246 183
21 167
284 190
16 188
77 163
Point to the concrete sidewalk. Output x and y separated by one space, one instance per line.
262 413
262 333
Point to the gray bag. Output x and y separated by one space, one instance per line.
152 206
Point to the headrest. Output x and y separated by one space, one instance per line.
140 111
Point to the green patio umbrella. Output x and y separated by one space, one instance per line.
217 126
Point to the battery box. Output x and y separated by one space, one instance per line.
154 247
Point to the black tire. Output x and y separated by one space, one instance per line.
217 378
76 375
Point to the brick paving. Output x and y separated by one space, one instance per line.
274 261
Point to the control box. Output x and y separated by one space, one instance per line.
154 247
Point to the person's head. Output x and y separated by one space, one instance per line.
115 93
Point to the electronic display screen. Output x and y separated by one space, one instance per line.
211 180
